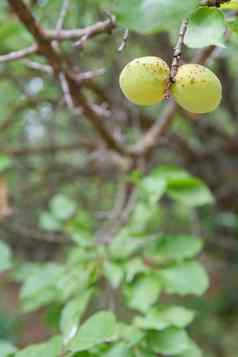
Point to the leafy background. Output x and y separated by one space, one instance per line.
54 203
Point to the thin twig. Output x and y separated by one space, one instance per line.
86 76
124 41
91 31
33 233
157 130
38 66
178 51
67 95
214 3
124 202
63 12
17 55
47 149
176 57
75 34
58 64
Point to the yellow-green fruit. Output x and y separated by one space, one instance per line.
197 89
144 80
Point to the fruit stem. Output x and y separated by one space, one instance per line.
178 51
177 56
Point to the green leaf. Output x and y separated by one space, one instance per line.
40 288
119 350
144 219
5 256
131 334
23 271
71 315
206 27
73 281
174 248
192 351
185 278
5 162
6 348
148 16
80 228
83 354
49 223
144 292
183 187
169 173
44 277
51 348
114 273
191 192
62 207
164 316
98 329
134 267
172 341
146 353
124 245
233 24
152 189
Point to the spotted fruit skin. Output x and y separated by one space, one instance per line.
144 80
197 89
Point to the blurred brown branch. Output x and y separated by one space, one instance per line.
20 54
59 66
47 149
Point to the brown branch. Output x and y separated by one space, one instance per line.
48 149
157 130
38 67
33 233
214 3
56 61
204 55
101 27
67 95
44 45
178 51
17 55
75 34
62 35
124 41
62 15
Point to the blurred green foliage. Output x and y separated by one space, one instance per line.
112 286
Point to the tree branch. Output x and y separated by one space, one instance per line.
63 12
178 51
59 66
63 35
17 55
47 149
214 3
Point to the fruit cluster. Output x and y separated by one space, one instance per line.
145 81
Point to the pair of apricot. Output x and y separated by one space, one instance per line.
144 81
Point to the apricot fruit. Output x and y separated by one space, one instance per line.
197 89
144 80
